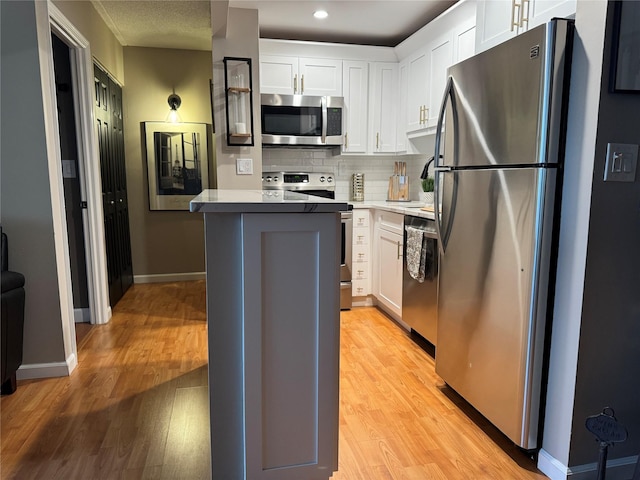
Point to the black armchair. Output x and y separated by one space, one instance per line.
12 322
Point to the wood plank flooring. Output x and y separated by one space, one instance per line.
136 407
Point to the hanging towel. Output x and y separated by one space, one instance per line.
416 253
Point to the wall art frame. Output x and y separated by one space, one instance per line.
625 55
178 159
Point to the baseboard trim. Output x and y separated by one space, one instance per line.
47 370
617 469
362 301
168 277
81 315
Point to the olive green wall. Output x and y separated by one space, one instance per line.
162 242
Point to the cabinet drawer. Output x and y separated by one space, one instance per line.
360 237
360 271
360 218
391 222
360 288
361 253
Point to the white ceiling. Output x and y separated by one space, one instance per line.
186 24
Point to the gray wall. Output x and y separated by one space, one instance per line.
26 212
608 371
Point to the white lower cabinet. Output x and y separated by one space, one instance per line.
361 254
388 242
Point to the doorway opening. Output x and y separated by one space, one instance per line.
74 200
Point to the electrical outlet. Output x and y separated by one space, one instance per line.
244 166
622 161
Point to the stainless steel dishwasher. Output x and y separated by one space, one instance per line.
420 299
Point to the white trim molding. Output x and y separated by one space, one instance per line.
168 277
90 180
617 469
47 370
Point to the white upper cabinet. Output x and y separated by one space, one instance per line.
499 20
300 76
382 100
320 76
541 11
464 40
401 112
441 51
426 56
355 84
417 90
278 74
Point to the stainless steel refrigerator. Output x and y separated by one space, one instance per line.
501 137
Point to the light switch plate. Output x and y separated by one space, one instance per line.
68 169
622 162
244 166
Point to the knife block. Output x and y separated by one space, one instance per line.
398 188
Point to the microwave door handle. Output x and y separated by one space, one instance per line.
323 102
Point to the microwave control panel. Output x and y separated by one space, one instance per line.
334 121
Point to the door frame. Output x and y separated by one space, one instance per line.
50 20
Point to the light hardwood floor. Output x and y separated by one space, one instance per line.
136 406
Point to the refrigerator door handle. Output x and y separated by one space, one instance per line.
438 168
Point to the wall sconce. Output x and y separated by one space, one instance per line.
239 101
174 102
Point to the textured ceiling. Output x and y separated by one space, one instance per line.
185 24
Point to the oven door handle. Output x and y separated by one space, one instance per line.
323 103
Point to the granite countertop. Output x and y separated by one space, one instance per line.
413 208
263 201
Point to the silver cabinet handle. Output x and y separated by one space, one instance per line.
399 251
377 140
302 84
295 84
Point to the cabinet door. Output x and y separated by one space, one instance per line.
495 21
382 99
441 52
288 355
278 74
464 41
389 270
418 90
402 112
355 82
541 11
109 126
320 76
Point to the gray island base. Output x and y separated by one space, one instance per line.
272 269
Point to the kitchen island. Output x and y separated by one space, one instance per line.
272 270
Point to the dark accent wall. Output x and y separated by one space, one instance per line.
608 373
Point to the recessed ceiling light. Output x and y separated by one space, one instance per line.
320 14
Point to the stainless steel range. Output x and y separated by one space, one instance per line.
321 185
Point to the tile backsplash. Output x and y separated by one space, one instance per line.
376 168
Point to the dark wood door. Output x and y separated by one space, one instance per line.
108 110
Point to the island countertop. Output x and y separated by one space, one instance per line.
263 201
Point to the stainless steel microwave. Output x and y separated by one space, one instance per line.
302 120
